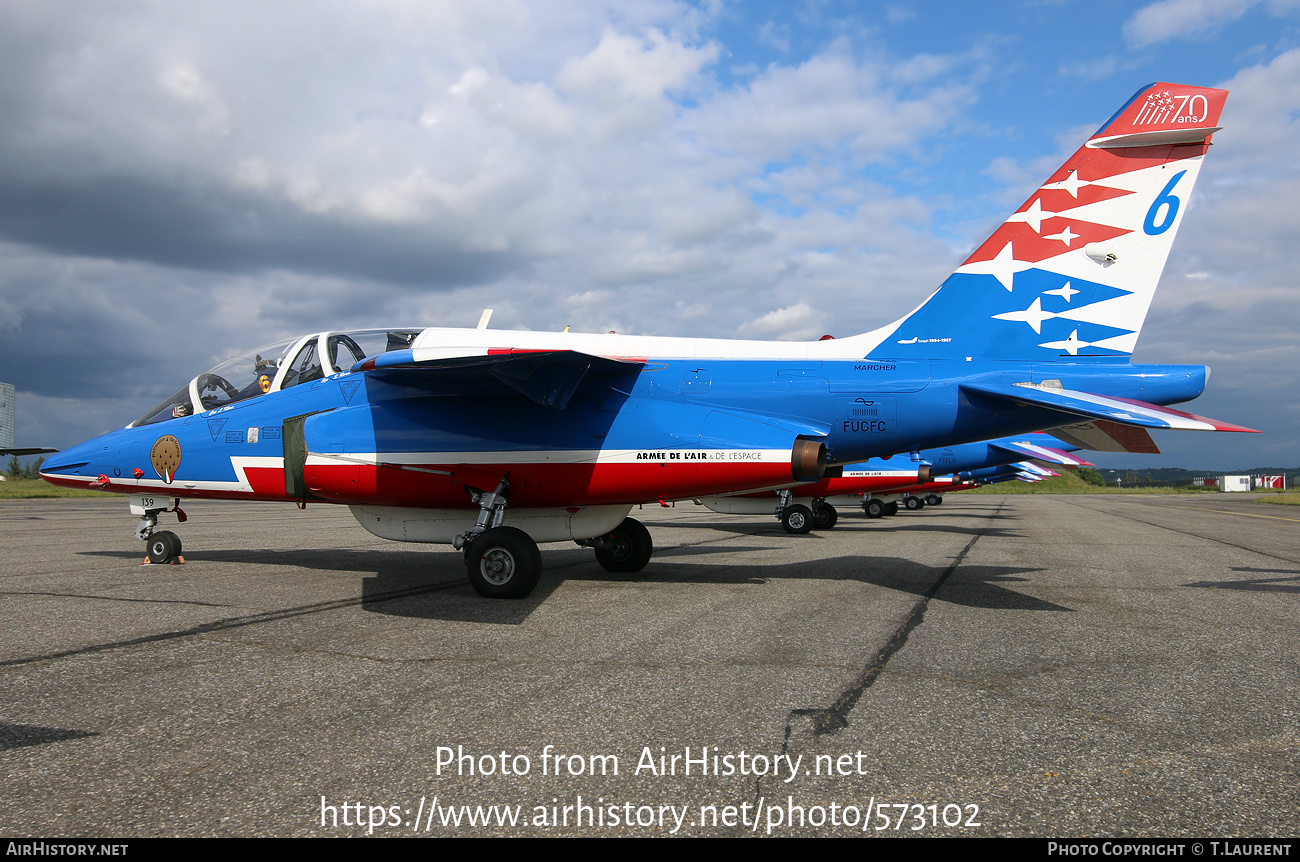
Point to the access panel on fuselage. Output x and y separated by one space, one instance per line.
295 456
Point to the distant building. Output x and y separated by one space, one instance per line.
1235 483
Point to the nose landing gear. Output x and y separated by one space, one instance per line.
162 546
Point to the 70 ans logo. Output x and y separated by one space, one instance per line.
1165 108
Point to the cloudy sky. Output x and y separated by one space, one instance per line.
181 182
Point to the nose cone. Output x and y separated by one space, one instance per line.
87 459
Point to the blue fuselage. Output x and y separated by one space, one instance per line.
859 409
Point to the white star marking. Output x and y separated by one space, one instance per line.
1003 267
1070 345
1063 291
1033 216
1071 184
1064 236
1033 315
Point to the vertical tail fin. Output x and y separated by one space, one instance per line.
1071 273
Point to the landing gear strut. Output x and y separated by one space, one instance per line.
163 546
502 562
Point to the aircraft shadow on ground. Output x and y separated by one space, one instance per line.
409 583
1256 585
21 735
972 586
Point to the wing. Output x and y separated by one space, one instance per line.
1122 411
546 377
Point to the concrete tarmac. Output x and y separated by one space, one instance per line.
1073 666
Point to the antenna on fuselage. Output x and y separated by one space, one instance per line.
483 321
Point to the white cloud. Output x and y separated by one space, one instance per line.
1090 70
796 322
1175 19
830 101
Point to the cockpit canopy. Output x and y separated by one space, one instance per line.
275 367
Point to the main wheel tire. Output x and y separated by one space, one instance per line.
933 500
164 546
891 508
503 563
631 548
874 508
824 516
797 519
914 503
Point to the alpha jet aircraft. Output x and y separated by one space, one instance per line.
878 486
494 441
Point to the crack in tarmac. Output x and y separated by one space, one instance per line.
830 719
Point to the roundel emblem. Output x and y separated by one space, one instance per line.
166 457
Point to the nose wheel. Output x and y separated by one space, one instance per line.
164 547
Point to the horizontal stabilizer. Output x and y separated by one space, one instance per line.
1167 137
1103 436
1042 453
1122 410
1030 468
546 377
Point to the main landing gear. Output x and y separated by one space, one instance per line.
799 519
504 562
162 546
627 549
795 518
913 504
824 515
875 508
